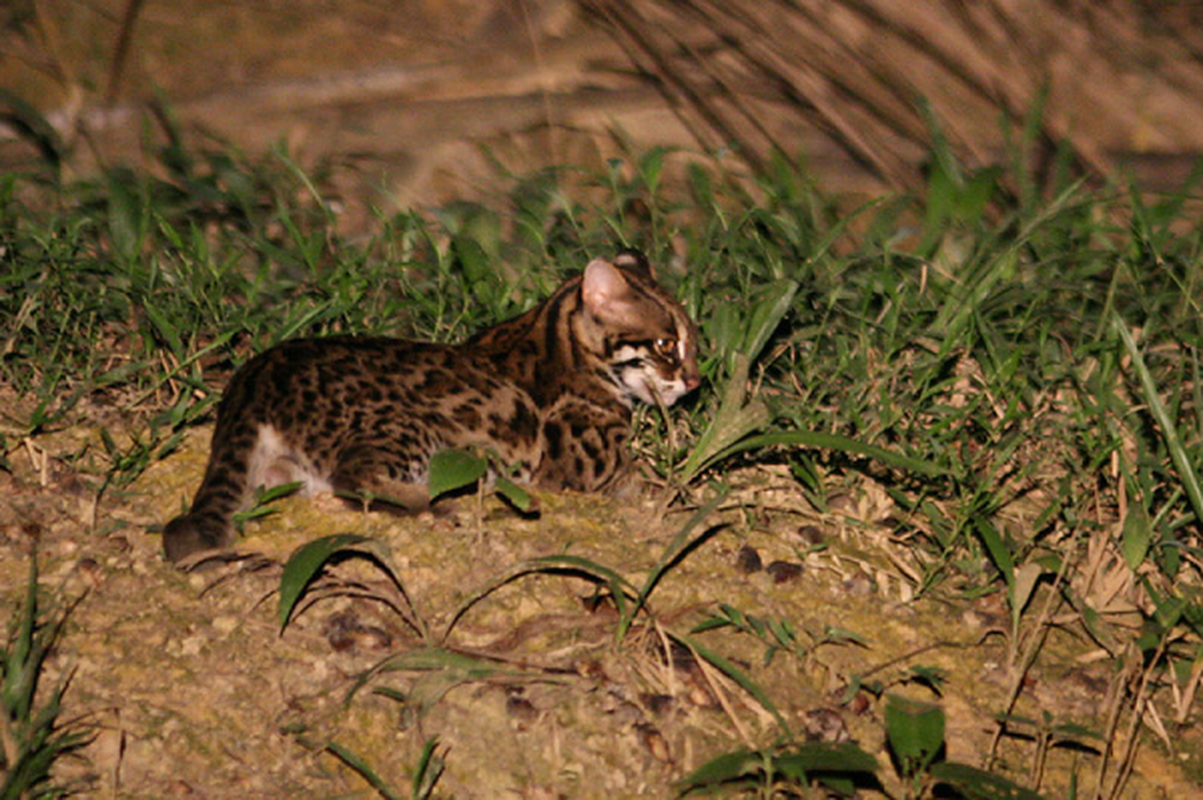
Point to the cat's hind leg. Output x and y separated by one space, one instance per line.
369 474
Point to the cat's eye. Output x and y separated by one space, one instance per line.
666 347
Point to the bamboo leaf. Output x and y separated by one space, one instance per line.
454 469
304 565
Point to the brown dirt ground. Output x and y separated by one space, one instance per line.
194 690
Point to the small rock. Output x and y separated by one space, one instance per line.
90 571
784 571
225 624
858 586
842 503
747 560
653 740
826 725
518 707
658 704
810 535
345 632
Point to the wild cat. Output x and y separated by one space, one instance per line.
550 391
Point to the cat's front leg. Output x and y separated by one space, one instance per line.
584 447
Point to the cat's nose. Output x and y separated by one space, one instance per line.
693 380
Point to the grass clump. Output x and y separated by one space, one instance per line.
32 737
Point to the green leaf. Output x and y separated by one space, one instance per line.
620 588
799 763
976 193
931 677
276 492
650 164
830 441
430 768
304 565
915 733
723 769
166 329
442 670
1069 731
736 674
29 123
999 553
454 469
1137 534
514 493
700 186
261 506
767 315
1026 578
977 784
732 422
1169 431
367 773
838 635
812 757
126 226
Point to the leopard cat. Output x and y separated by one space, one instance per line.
550 391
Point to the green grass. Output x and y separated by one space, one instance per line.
1018 368
32 737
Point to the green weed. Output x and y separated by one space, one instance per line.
32 738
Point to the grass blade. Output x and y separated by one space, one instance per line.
1169 431
359 765
304 565
736 674
830 441
679 544
620 588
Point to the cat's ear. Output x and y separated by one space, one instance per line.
634 260
605 292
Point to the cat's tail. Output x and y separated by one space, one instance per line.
209 523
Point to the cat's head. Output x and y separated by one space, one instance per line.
648 342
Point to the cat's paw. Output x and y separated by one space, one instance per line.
186 536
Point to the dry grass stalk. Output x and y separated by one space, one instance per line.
756 75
